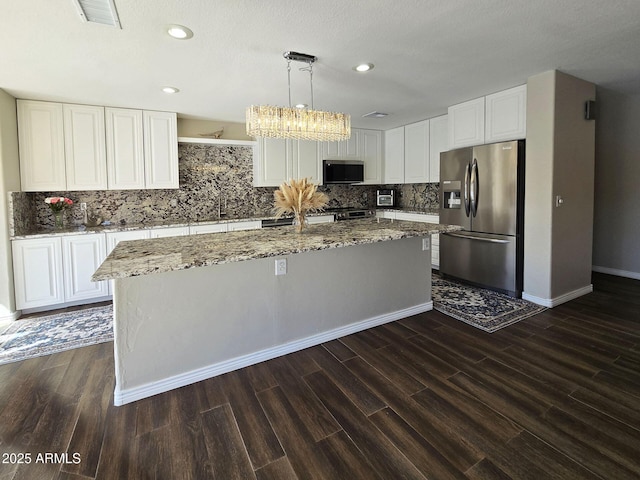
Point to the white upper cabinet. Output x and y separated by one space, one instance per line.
41 145
394 156
344 150
412 152
84 145
272 163
416 152
305 156
370 152
495 118
277 160
438 143
125 149
466 124
160 149
506 115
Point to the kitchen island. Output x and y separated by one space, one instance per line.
189 308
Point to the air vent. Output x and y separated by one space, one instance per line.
98 11
374 115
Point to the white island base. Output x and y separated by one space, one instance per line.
179 327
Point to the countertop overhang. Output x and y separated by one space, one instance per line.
143 257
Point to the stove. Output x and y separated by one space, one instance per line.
351 213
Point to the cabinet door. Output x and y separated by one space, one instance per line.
272 166
466 124
316 219
371 154
37 272
416 152
82 256
160 150
438 143
506 115
212 228
344 150
84 145
113 238
125 149
394 156
41 146
306 160
246 225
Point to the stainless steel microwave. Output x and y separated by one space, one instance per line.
342 171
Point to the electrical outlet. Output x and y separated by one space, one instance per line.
83 206
425 243
281 266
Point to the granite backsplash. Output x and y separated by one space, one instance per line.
212 178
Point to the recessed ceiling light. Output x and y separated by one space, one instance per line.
170 90
180 32
363 67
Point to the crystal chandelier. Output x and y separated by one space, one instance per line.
297 123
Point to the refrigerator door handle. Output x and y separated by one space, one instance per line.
472 237
473 188
467 208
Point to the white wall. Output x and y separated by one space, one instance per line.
9 181
617 185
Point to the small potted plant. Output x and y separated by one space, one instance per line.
57 206
298 197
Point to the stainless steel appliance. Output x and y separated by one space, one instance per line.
482 190
351 213
342 171
386 197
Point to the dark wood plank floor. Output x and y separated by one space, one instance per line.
554 396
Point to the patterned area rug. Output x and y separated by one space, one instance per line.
481 308
38 336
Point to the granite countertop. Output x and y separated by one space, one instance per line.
143 257
421 211
118 227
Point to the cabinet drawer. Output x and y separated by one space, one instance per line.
213 228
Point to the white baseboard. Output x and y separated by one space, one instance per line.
554 302
616 271
7 315
122 397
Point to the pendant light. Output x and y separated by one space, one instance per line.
298 123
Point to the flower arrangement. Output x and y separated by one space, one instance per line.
298 197
57 206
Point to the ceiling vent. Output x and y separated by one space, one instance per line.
374 115
98 11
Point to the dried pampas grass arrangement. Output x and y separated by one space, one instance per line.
298 197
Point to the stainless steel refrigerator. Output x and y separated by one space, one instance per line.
482 190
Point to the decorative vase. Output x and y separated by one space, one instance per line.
299 221
58 220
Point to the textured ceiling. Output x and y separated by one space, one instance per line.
428 54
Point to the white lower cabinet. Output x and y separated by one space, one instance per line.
37 272
246 225
212 228
113 238
316 219
82 255
55 270
168 232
